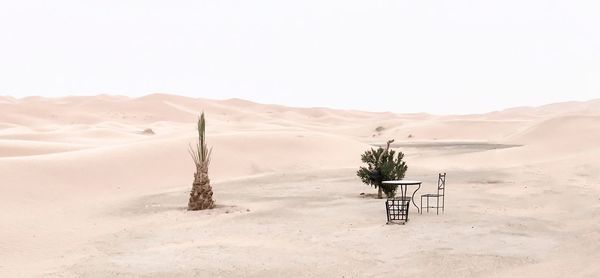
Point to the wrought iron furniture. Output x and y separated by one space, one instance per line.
404 188
397 209
441 190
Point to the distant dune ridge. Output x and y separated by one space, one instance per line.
85 191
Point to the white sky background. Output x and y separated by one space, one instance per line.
437 56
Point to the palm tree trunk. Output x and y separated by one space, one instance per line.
201 194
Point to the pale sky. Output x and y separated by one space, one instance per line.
403 56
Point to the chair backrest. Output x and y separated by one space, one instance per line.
441 183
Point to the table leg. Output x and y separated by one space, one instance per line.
403 192
413 198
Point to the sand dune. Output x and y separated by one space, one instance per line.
17 148
584 131
86 193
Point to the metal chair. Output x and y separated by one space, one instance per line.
441 190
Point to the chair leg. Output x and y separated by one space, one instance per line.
427 204
443 203
421 204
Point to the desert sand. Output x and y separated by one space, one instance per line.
85 192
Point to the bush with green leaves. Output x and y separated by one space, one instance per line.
382 164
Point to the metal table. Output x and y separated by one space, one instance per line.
404 188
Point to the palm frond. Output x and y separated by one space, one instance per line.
194 155
201 154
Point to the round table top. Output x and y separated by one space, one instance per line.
402 182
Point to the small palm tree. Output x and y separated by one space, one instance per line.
382 166
201 194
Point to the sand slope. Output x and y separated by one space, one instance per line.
86 192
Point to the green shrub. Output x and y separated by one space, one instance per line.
382 164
